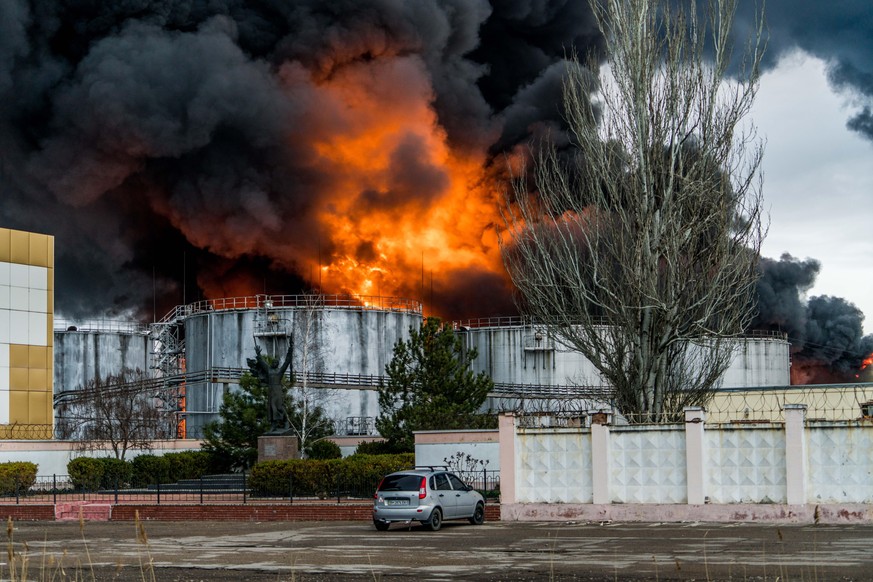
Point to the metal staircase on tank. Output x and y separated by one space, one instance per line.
168 341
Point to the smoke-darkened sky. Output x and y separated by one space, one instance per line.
184 149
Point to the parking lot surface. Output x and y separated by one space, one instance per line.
511 551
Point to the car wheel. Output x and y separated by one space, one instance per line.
436 520
478 515
381 525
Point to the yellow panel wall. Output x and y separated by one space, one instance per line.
26 334
19 247
39 408
19 356
18 408
38 255
19 378
5 252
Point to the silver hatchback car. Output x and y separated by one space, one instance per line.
427 495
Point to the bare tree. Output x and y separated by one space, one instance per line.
122 411
639 244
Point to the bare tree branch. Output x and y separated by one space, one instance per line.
640 250
122 410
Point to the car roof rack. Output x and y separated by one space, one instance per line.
432 467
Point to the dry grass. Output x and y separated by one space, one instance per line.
51 568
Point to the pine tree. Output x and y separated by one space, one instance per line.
431 386
233 440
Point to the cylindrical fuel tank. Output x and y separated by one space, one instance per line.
331 338
87 350
513 351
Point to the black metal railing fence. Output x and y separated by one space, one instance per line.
211 489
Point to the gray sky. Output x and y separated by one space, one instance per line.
818 181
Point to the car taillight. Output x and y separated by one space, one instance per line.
376 494
422 489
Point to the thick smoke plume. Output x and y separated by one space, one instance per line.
841 34
181 150
826 333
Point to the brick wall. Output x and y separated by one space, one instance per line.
248 512
492 512
27 512
302 512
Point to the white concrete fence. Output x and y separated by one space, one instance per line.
52 457
799 470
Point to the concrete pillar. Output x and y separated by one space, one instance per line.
506 427
600 462
695 455
795 454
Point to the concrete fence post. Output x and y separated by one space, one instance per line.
695 454
506 429
795 454
600 460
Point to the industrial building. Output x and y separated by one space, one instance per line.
89 349
514 351
26 322
197 352
533 371
341 345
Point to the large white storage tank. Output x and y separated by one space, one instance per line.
512 351
760 360
348 343
87 350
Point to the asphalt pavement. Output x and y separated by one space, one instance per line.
510 551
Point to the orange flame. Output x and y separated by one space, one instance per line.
864 364
402 200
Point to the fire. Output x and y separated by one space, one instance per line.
864 364
402 202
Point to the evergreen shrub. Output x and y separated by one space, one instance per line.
324 449
86 473
322 478
375 448
116 473
188 464
17 476
150 470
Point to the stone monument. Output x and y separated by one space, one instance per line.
279 442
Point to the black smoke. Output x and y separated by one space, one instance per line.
168 144
782 291
841 34
826 333
834 336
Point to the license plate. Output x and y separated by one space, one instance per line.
396 502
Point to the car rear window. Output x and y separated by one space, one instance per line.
400 483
